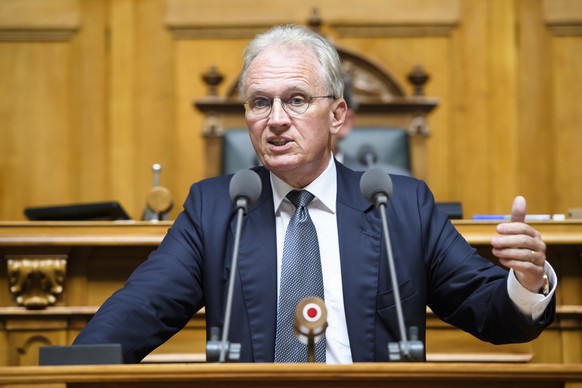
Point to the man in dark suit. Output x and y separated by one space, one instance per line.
292 86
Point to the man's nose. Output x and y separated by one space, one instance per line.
278 113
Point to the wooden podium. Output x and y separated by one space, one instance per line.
414 375
100 256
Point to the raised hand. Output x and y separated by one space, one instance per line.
519 246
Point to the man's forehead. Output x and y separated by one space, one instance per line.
278 68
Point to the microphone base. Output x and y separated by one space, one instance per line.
397 351
407 351
214 345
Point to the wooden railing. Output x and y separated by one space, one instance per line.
415 375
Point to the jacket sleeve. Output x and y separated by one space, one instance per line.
160 296
466 290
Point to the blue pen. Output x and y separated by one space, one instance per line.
490 217
504 217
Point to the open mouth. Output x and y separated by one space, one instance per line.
279 142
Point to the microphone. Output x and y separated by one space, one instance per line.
367 155
376 186
310 323
245 188
159 199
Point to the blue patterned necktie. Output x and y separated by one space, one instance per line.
301 277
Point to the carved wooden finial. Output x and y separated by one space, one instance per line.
418 77
212 78
314 22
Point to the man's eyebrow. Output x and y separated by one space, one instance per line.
292 89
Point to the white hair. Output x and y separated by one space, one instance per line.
300 36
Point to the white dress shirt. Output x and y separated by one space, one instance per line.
322 211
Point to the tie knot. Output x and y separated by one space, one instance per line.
300 198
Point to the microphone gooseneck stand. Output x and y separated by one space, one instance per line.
376 185
245 188
241 205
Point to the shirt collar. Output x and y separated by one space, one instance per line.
324 188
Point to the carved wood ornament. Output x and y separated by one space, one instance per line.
36 281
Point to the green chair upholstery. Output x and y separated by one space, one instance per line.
391 145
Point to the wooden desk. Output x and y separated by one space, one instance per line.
295 375
101 255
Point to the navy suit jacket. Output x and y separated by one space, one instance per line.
190 270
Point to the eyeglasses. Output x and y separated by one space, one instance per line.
295 105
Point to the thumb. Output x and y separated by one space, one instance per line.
518 209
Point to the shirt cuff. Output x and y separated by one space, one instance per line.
531 304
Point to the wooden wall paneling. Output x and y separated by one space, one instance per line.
193 59
98 91
434 53
10 126
471 118
535 130
214 16
38 20
122 133
563 18
567 97
189 147
88 106
154 103
35 58
37 163
503 155
76 292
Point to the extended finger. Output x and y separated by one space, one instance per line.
518 209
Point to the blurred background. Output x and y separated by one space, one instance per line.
94 92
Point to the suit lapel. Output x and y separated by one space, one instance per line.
359 255
258 271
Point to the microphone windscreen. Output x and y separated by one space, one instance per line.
310 319
367 153
245 183
375 181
